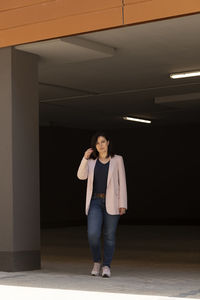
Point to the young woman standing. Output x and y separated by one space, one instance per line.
106 198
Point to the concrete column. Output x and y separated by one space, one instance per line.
19 161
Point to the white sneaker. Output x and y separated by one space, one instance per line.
96 269
106 272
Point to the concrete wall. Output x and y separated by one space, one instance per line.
25 130
19 161
162 174
6 151
23 21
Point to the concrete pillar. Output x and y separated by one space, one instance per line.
19 161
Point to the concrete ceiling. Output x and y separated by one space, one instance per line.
93 80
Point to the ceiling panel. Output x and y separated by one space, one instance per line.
98 77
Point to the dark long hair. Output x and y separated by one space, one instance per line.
93 142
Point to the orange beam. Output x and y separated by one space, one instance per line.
21 23
139 11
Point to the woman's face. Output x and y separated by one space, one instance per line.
102 144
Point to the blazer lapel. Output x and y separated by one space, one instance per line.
93 163
110 170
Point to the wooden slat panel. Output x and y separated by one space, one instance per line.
23 21
43 12
62 27
137 1
12 4
136 11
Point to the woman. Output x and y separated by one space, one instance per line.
106 198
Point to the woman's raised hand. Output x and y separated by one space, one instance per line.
88 153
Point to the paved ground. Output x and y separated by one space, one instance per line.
148 261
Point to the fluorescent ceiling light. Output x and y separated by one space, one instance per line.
136 120
185 74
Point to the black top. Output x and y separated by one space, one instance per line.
100 177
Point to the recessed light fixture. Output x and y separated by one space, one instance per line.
136 120
185 74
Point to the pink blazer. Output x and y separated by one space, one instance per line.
116 191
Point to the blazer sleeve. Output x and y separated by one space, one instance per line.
122 184
83 169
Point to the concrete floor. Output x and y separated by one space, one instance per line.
148 260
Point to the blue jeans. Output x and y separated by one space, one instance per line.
97 216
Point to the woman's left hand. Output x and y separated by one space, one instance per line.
122 210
